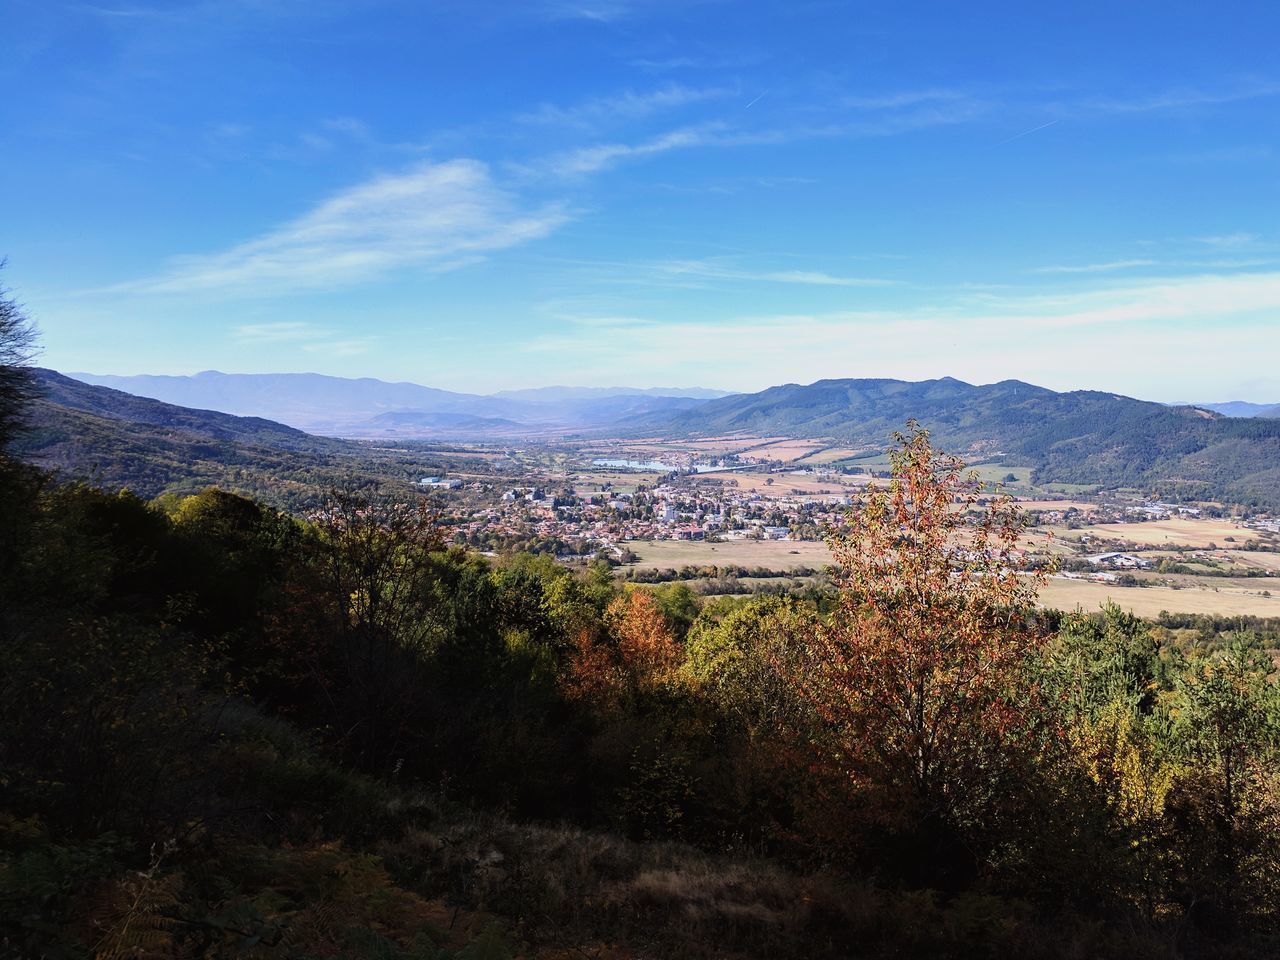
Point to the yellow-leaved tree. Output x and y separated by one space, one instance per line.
914 684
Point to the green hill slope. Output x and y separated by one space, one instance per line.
1085 437
114 439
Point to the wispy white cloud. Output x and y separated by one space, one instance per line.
712 270
435 216
1107 267
1229 239
598 11
1184 97
597 157
628 105
307 337
1157 301
1064 340
255 333
904 98
605 11
342 348
593 159
337 129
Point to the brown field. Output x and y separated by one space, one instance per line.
1255 559
782 484
1239 597
771 554
469 454
785 450
735 442
1058 505
832 454
622 482
1149 601
1163 533
714 446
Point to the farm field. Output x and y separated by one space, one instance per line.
1080 505
830 455
783 483
771 554
1162 533
708 447
1227 596
994 475
1255 559
1149 601
785 450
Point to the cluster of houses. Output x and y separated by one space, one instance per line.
1119 561
688 507
673 510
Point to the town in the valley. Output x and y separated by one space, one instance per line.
764 510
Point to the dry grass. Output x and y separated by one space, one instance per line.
782 484
1255 559
1164 533
832 454
708 446
785 450
770 554
1058 505
1227 600
577 893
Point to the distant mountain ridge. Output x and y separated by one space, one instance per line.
339 406
1242 408
1080 437
207 424
559 393
115 439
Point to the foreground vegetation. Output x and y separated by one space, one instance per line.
226 731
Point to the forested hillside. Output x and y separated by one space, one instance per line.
1082 437
226 732
118 440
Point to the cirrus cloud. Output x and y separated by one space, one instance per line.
434 216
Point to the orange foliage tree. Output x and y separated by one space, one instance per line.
639 654
912 684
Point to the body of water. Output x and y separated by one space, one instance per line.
655 465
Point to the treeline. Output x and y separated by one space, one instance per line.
226 731
716 572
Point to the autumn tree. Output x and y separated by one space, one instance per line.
637 652
914 683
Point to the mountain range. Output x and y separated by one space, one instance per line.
338 406
114 439
1079 437
1242 408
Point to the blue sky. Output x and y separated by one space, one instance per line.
482 196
